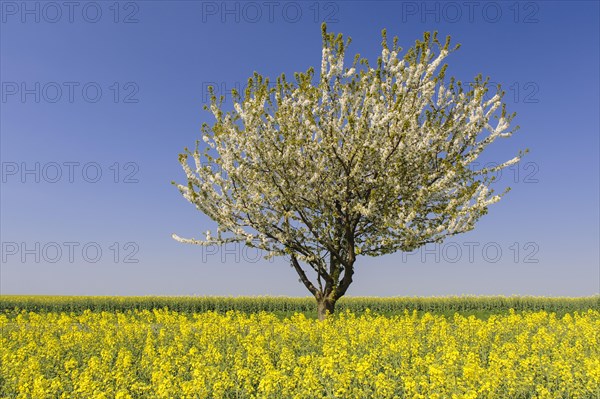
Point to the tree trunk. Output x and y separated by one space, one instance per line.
325 306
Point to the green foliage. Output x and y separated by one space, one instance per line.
477 305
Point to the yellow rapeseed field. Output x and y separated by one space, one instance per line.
167 354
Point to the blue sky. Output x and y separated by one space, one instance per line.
100 98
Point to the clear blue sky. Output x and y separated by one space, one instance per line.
96 88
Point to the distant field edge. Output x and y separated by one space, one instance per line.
287 304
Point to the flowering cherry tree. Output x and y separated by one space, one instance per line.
369 160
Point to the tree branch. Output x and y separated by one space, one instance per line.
304 279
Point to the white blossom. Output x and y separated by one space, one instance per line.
386 159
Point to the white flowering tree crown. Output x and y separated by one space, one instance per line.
368 160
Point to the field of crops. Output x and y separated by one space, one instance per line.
127 349
478 305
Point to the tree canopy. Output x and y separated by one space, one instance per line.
361 160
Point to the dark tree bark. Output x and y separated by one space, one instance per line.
325 306
338 274
337 280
